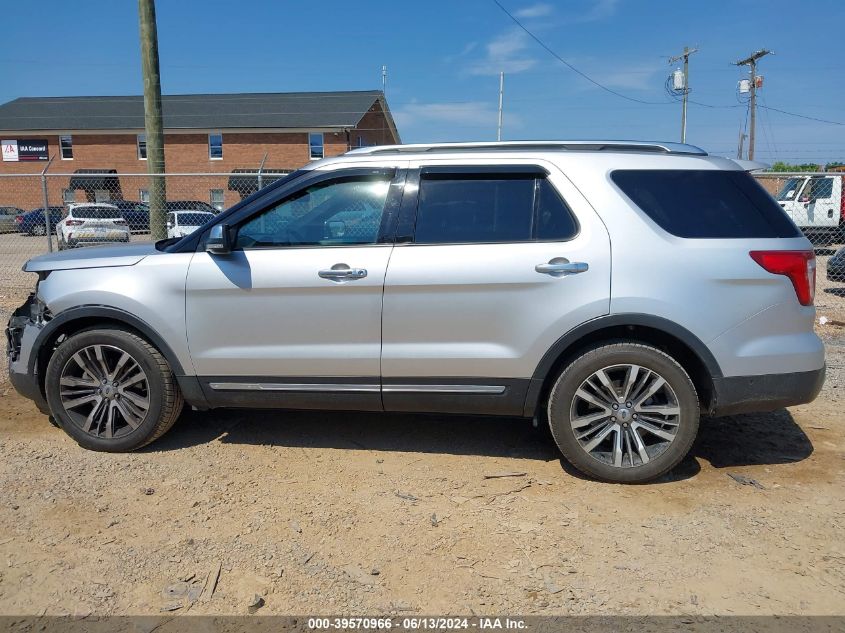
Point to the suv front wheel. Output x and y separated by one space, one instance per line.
624 412
110 390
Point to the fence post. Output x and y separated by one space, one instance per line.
260 172
47 218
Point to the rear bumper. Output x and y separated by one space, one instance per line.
749 394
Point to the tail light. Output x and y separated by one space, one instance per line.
19 218
799 266
74 222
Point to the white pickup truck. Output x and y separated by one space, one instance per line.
816 203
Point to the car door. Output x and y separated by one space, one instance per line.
493 263
822 205
292 316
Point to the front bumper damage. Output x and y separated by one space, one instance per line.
21 333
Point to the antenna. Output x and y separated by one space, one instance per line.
384 79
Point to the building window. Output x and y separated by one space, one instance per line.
215 146
217 200
144 195
66 147
68 196
142 147
315 145
102 195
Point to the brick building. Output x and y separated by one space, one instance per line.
96 139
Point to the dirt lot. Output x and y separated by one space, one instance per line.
368 514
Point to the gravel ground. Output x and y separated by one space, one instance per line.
367 514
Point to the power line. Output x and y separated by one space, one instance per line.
800 116
570 66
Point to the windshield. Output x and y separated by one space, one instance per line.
97 213
791 189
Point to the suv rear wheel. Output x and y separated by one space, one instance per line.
110 390
623 412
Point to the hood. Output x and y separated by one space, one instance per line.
91 257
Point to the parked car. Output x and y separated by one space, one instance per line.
182 223
32 222
136 214
457 278
8 216
189 205
817 206
90 223
836 266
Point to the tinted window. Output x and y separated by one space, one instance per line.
338 212
706 204
97 213
484 208
554 219
194 219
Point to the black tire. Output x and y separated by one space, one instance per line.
562 402
165 398
38 229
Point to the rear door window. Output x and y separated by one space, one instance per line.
706 203
484 207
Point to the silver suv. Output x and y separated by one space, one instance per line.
612 290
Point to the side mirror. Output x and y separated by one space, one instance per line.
217 242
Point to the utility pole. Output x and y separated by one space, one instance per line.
751 61
501 99
685 89
384 79
153 125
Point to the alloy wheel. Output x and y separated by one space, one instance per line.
104 391
625 415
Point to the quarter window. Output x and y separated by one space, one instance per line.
490 208
66 147
215 146
315 145
334 213
142 147
705 203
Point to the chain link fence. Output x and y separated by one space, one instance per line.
44 213
41 213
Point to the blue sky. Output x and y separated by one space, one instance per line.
444 58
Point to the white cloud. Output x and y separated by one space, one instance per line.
633 77
505 53
479 114
599 10
538 10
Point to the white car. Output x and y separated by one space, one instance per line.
182 223
91 223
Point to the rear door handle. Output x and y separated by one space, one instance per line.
560 266
342 272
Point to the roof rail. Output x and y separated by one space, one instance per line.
511 146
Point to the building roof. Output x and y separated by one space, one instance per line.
296 110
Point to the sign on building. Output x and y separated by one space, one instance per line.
25 150
10 151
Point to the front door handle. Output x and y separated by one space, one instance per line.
342 272
560 266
